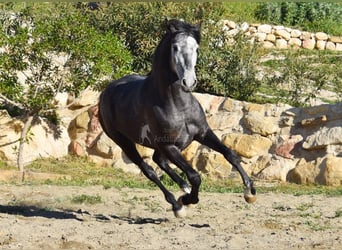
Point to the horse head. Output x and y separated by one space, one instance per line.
183 57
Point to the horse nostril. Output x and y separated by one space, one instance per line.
184 82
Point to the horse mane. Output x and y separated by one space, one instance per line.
176 26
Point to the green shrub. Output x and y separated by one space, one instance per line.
312 16
141 24
228 66
302 74
223 70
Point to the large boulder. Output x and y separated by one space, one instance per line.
248 145
212 164
331 168
260 124
44 140
304 173
323 138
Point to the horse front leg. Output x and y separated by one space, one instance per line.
163 164
210 140
131 152
174 155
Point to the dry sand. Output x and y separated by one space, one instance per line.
44 216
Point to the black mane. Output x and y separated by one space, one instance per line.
176 26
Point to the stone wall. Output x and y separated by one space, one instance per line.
275 142
275 36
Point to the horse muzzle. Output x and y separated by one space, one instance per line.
188 85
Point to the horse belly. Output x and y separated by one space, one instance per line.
121 108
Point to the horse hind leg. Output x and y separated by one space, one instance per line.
210 140
131 152
163 164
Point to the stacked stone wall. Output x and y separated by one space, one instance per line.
280 37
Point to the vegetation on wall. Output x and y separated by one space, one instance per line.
310 16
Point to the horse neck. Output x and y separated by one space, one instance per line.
167 92
161 79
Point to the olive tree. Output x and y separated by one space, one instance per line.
30 74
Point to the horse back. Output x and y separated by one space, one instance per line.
120 105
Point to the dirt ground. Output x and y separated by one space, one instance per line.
33 217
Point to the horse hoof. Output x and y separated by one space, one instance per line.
249 197
181 213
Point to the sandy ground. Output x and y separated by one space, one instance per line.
33 217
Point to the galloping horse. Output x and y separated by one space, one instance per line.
160 112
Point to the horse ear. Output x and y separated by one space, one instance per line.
171 26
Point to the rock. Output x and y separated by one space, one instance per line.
332 171
306 36
244 27
335 39
285 149
209 103
224 120
277 168
252 29
191 151
75 148
145 152
278 27
283 34
247 145
126 165
323 138
320 44
321 36
230 24
5 118
94 125
88 97
265 28
230 105
61 99
338 47
82 120
104 146
296 33
304 173
250 107
314 121
309 44
330 46
281 44
260 164
260 124
260 36
270 37
268 45
212 164
45 140
295 42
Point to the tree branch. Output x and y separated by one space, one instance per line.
5 99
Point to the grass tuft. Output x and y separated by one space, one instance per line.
85 173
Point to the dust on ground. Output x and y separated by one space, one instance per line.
44 216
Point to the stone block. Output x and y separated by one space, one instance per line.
248 145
